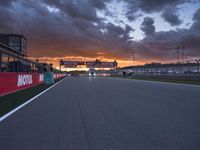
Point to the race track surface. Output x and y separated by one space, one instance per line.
107 114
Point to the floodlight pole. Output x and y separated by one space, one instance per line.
133 55
178 54
183 53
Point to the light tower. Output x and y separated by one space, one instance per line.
133 56
183 53
178 54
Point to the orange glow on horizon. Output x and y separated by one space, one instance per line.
55 61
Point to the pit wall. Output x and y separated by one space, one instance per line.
11 82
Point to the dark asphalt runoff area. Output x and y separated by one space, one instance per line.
107 114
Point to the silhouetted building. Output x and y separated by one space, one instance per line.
16 42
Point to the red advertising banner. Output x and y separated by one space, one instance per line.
11 82
56 76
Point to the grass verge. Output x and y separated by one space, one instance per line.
180 81
11 101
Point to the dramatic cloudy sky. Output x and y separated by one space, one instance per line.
108 29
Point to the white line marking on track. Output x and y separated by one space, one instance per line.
27 102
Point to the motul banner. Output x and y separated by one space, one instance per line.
11 82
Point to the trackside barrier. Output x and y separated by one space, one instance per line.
56 76
11 82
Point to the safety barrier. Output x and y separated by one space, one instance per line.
11 82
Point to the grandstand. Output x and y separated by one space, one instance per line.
188 67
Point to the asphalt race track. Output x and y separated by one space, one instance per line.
107 114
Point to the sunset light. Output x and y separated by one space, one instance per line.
99 74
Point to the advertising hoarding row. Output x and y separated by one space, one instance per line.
11 82
101 65
95 64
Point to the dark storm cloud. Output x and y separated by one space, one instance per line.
58 28
6 18
100 4
170 15
132 15
147 26
74 29
85 9
153 5
195 28
5 2
75 8
162 45
149 6
196 16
